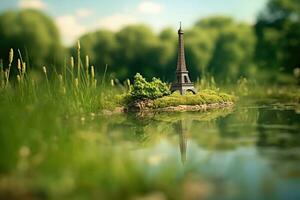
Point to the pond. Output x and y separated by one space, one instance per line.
250 151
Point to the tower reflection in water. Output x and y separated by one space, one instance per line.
182 131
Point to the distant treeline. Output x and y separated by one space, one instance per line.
216 45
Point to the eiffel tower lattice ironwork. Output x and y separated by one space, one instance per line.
183 82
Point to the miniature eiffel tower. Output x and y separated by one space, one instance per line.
183 82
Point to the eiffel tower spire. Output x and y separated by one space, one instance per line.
183 82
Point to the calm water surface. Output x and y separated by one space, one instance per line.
249 152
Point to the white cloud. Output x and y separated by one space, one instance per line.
149 7
35 4
70 28
84 12
117 21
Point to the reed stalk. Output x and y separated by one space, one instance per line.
78 61
104 75
87 64
10 60
72 68
2 80
47 80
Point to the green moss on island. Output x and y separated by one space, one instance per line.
201 98
124 102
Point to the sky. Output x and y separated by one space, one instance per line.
76 17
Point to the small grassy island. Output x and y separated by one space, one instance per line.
156 96
159 96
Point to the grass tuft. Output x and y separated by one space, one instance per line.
73 90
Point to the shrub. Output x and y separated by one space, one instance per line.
141 89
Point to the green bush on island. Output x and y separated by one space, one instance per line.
142 89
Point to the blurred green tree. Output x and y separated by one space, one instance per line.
133 49
101 48
233 53
222 47
200 44
217 45
138 51
215 22
167 57
34 34
278 35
